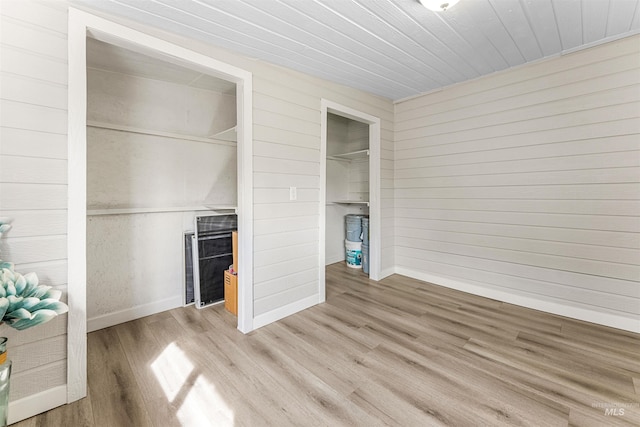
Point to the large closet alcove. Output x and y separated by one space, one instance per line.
161 150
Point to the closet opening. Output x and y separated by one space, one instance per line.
350 190
161 166
159 138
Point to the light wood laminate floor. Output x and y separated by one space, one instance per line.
398 352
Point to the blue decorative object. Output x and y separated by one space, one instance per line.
23 302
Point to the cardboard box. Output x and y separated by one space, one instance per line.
234 247
231 292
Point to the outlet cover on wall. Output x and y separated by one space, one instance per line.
293 193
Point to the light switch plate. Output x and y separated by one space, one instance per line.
293 193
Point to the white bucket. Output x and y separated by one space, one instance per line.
353 254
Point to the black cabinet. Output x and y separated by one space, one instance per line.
214 256
188 243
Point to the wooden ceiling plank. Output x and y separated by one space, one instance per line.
515 21
279 19
569 19
620 17
392 48
435 26
397 39
403 63
266 46
542 19
485 29
438 53
594 20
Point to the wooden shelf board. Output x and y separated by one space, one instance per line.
360 154
130 211
349 202
229 135
132 129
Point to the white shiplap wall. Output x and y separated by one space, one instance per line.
286 153
33 177
286 131
524 185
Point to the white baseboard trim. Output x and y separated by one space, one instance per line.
606 319
282 312
333 259
133 313
38 403
387 272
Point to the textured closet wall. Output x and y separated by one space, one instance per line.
33 177
132 169
134 261
523 186
358 137
337 175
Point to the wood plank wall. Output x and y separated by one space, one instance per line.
33 177
524 185
286 153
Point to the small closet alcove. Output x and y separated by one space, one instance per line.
347 180
161 150
350 189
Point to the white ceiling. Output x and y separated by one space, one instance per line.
393 48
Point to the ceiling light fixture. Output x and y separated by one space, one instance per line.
438 5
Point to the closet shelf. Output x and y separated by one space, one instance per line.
227 135
353 155
216 139
349 202
129 211
221 208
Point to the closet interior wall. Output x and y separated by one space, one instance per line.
344 136
152 166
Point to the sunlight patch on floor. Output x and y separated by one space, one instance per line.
198 401
204 406
172 368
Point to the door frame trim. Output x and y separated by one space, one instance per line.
327 106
